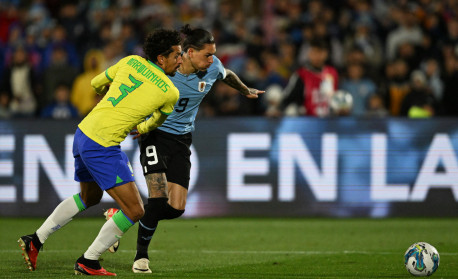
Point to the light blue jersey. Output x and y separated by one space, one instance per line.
193 89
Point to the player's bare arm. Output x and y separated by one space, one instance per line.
157 185
234 81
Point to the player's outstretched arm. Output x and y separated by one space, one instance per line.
234 81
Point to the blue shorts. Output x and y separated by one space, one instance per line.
107 166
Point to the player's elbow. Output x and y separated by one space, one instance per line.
94 84
228 73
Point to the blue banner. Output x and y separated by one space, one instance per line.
342 167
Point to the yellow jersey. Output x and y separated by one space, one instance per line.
138 89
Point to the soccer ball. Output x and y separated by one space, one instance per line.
421 259
341 102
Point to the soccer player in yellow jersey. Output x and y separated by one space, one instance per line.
135 88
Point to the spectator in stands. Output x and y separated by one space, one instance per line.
432 71
33 49
287 56
410 54
396 85
252 74
312 85
365 39
225 101
450 97
19 38
101 37
113 52
83 95
320 33
9 16
59 40
58 72
255 44
74 22
19 83
15 39
451 38
129 37
376 107
417 32
61 107
419 102
274 71
38 15
356 55
360 88
407 31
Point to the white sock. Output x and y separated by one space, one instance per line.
61 215
108 235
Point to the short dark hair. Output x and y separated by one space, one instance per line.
196 38
160 42
320 44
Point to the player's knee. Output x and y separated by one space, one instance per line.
136 213
140 212
172 213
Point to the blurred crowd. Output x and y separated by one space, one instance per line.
394 57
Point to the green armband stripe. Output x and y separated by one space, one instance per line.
79 202
106 74
165 113
122 221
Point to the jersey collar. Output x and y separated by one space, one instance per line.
156 66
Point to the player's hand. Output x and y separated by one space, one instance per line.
253 93
135 133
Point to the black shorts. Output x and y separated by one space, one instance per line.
164 152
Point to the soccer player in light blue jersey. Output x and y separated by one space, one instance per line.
165 153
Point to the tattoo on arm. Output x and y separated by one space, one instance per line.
157 185
234 81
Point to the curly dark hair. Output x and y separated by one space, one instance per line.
196 38
160 42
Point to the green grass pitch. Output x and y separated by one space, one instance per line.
244 248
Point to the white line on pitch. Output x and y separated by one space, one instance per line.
243 252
